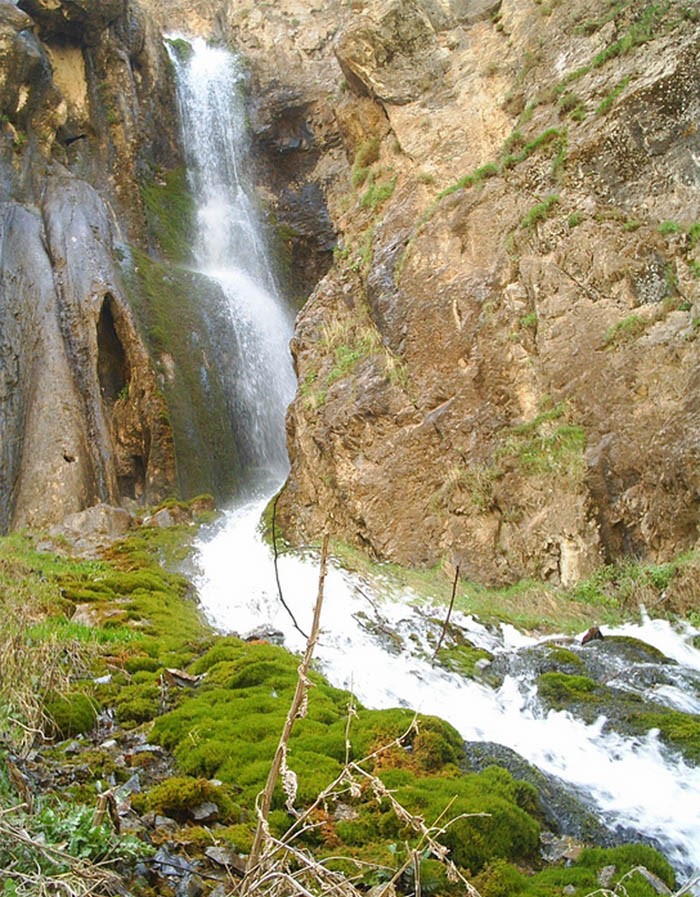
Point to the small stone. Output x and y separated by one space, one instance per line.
131 786
162 519
205 812
222 856
606 876
165 822
109 745
568 889
190 886
344 812
167 863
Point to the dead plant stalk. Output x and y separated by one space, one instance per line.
296 711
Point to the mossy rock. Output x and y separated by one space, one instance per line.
72 714
676 729
462 658
136 704
501 878
178 796
562 691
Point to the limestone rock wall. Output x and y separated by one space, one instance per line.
83 416
498 369
490 213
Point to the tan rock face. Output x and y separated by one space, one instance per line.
83 418
499 369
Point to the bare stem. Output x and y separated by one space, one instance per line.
303 683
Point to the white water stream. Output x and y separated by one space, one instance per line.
632 783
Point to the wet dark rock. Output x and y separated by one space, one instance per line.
190 886
659 886
563 807
593 633
556 848
169 864
225 856
76 19
265 634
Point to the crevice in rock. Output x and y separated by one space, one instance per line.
112 363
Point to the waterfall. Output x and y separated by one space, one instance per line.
230 249
633 783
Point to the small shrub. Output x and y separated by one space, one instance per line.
625 331
377 193
539 212
366 155
669 227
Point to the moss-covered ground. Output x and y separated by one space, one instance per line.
222 729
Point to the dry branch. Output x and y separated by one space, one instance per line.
295 711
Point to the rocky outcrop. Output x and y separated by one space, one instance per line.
84 419
498 369
494 207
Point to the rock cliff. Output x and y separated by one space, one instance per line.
498 370
494 207
92 406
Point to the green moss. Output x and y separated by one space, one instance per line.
679 730
462 659
562 690
178 796
137 704
563 657
71 714
170 213
180 312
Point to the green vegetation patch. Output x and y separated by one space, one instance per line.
367 154
228 728
539 212
547 445
170 211
580 878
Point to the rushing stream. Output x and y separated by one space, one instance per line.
375 641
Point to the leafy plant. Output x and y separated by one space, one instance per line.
539 212
624 331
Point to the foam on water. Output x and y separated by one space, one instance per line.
632 782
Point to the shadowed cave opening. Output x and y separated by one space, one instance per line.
112 364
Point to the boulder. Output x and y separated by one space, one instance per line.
79 20
390 51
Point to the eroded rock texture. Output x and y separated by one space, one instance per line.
499 369
83 418
494 207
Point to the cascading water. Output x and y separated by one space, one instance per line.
375 642
230 250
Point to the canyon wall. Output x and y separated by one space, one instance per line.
487 213
499 368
